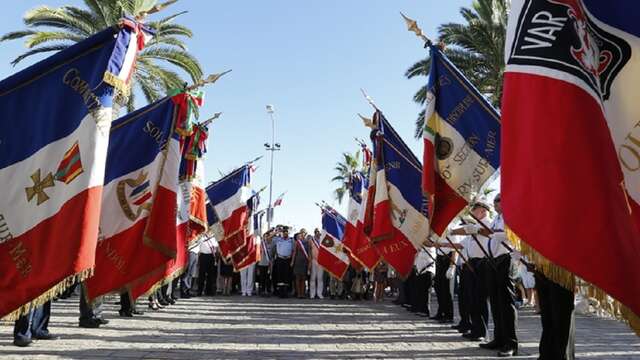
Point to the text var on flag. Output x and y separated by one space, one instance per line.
571 144
192 169
331 253
228 198
355 240
53 140
138 222
398 224
461 141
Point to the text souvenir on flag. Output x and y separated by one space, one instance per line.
53 147
331 255
228 197
355 240
399 225
139 199
571 149
461 141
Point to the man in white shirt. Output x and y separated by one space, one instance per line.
283 248
424 267
208 267
475 251
441 282
316 282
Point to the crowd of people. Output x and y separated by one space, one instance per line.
486 275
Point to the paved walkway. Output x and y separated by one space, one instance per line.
258 328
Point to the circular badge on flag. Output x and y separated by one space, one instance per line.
444 147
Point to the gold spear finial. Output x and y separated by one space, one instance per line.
367 122
412 26
209 80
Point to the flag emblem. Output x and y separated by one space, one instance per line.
70 166
137 198
39 185
595 56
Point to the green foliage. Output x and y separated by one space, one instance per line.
345 169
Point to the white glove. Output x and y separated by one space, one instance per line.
450 272
471 229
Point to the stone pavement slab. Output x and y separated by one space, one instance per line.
270 328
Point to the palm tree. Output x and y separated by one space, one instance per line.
476 48
53 29
345 170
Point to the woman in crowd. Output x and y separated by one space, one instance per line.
300 262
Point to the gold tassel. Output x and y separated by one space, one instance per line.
56 290
568 280
122 89
164 281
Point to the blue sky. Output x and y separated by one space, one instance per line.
307 58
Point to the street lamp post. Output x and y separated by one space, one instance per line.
274 146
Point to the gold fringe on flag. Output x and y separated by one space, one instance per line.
569 281
56 290
167 280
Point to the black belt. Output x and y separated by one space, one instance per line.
284 258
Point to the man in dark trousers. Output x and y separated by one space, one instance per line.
501 289
33 325
558 320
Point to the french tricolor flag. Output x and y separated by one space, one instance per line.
228 197
399 223
138 228
330 251
53 148
356 240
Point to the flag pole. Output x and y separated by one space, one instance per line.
506 246
369 100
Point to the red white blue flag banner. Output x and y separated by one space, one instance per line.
461 141
399 221
139 199
571 141
53 148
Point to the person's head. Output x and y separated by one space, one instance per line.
480 209
303 231
497 205
285 232
316 232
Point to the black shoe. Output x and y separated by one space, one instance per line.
491 345
185 296
136 312
464 330
89 324
472 337
102 321
47 337
21 342
507 352
436 318
171 301
446 321
125 313
163 302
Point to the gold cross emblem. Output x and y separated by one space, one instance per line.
39 185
